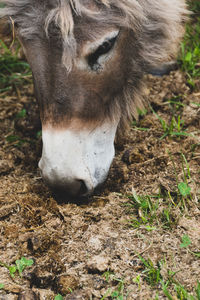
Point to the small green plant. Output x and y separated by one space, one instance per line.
152 274
197 290
58 297
167 218
145 207
118 293
107 275
181 292
21 114
175 103
190 48
184 189
19 266
16 140
186 242
1 286
142 112
190 56
39 134
137 280
23 263
174 128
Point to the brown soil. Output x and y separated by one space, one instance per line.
73 243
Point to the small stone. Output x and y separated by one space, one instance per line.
98 263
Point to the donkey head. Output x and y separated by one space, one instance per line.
87 58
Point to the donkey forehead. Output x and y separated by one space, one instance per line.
82 18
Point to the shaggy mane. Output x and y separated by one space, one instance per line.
144 17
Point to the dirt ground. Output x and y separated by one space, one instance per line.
81 249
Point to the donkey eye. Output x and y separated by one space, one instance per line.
101 50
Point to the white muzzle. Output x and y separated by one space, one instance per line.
77 160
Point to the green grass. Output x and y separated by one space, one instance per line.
173 128
152 212
13 71
171 288
189 57
116 293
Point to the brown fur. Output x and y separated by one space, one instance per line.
150 31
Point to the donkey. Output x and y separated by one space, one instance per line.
88 58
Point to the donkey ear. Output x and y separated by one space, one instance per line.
5 27
163 30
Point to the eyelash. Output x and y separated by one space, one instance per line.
103 49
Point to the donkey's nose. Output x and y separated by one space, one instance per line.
70 186
77 161
74 188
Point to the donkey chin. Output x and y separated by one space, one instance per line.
76 162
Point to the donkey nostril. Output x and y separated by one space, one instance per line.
83 189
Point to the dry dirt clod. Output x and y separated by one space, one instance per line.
28 295
5 167
98 263
66 283
132 155
79 295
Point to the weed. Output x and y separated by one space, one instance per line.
194 5
190 48
13 71
19 266
151 273
118 293
16 140
21 114
186 242
174 128
142 112
39 134
184 189
1 286
156 297
197 104
137 280
145 207
107 275
197 290
58 297
165 291
136 128
167 218
181 292
175 103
